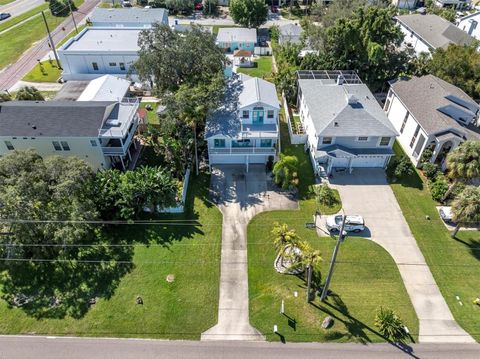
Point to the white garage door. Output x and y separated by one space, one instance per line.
368 161
236 159
340 162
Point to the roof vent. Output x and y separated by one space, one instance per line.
335 124
352 99
34 127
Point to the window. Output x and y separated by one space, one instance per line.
265 143
270 113
362 138
65 146
404 122
122 66
9 145
387 105
95 66
245 114
414 137
57 146
112 64
326 140
93 143
384 141
219 143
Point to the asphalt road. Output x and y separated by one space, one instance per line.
20 6
15 72
13 347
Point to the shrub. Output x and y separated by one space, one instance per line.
325 195
399 166
285 171
438 189
389 324
430 170
426 155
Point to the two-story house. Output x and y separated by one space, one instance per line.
244 130
431 113
345 126
237 38
99 132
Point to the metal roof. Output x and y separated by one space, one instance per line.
105 88
129 15
237 34
104 39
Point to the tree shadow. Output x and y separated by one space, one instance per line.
472 244
67 287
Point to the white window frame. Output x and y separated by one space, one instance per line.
380 141
366 139
331 140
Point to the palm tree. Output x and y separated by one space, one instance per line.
463 164
283 237
466 207
309 259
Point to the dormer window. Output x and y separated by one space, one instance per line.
245 114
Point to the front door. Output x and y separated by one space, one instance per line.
258 115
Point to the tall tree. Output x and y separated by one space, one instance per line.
180 5
174 59
458 65
466 207
310 259
463 164
29 93
249 13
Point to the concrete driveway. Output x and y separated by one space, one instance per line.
366 192
239 196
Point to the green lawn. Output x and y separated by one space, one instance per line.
262 69
5 2
50 73
13 21
365 278
179 310
151 115
453 262
16 41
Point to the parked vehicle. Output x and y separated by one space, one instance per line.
4 15
446 213
199 6
126 3
353 224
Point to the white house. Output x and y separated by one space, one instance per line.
431 113
237 38
244 130
469 24
405 4
455 4
427 32
128 17
95 52
289 33
100 132
345 126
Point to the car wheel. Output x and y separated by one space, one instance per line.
334 230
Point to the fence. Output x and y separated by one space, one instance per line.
295 138
181 205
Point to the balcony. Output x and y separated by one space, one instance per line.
243 151
118 124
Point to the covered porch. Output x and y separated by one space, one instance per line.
441 145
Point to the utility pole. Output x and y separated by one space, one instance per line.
341 237
51 42
73 17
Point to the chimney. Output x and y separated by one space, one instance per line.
340 80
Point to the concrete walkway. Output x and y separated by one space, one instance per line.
239 196
366 192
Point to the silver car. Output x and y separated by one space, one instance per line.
353 223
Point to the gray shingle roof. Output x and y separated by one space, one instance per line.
133 15
330 151
240 91
425 96
434 30
290 30
237 34
333 115
53 118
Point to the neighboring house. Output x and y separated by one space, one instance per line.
237 38
345 126
431 113
244 130
101 133
405 4
128 17
470 24
105 88
243 58
455 4
95 52
289 33
424 33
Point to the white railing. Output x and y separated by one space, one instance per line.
243 150
132 116
121 150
